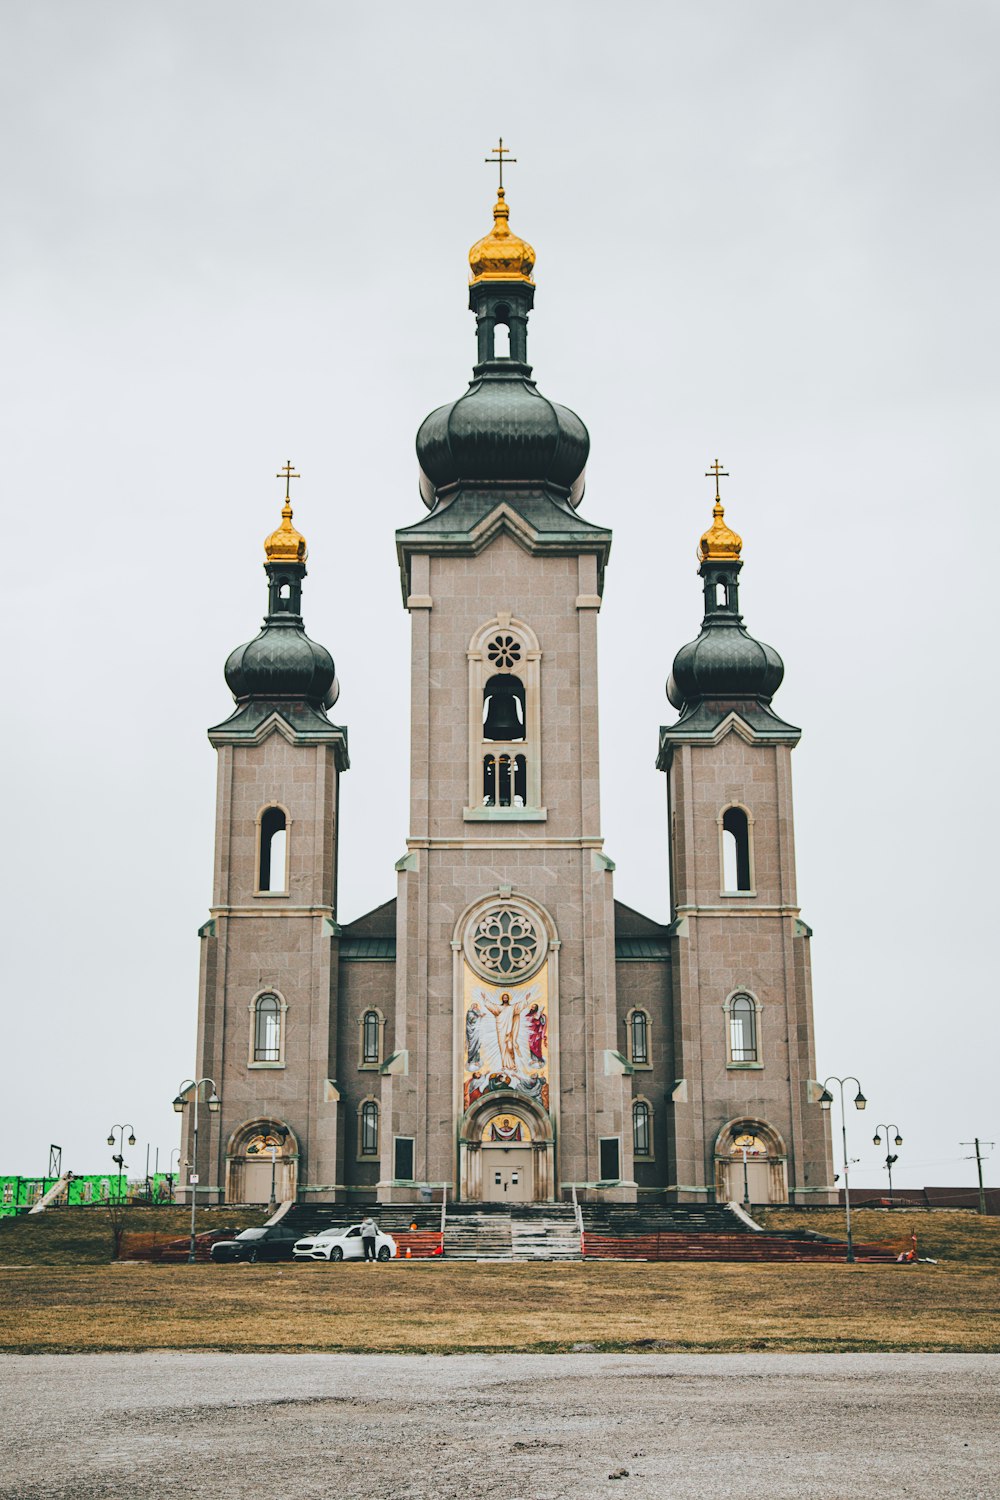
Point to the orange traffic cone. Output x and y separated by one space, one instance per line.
409 1253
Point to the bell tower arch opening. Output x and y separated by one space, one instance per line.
504 722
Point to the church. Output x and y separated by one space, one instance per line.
501 1029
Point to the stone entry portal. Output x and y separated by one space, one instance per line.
506 1153
750 1164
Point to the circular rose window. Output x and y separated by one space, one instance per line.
505 944
504 651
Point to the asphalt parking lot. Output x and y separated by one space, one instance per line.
521 1427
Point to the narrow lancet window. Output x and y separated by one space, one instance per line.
639 1038
641 1133
743 1030
371 1037
267 1029
369 1128
735 851
273 850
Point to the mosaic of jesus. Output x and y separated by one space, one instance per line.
506 1038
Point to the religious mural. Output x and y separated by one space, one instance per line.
506 1041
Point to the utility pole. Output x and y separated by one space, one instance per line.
978 1145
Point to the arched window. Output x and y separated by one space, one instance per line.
504 723
272 868
638 1048
267 1029
742 1030
368 1128
736 863
371 1038
642 1128
501 341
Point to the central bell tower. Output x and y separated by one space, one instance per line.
505 1082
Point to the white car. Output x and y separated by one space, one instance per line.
342 1244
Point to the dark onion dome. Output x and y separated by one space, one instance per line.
282 663
503 428
724 662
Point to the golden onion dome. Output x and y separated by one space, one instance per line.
719 543
286 545
501 255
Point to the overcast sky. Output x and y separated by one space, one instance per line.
237 233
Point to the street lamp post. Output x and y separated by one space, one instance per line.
889 1158
190 1091
120 1158
826 1100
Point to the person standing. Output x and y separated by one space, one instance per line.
369 1231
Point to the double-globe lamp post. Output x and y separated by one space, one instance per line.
889 1158
190 1091
120 1158
826 1100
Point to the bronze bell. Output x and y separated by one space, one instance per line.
505 709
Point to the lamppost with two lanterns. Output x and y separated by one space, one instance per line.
890 1160
826 1101
120 1158
190 1092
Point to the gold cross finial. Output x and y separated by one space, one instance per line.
501 151
718 472
287 474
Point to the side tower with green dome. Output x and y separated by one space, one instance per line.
743 1116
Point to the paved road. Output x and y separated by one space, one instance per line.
514 1427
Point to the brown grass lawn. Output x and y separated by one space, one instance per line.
62 1303
952 1236
418 1307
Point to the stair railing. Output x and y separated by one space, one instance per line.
578 1215
444 1210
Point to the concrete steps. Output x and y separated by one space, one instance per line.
522 1233
478 1236
549 1235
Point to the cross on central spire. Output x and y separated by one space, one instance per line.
501 151
718 472
287 474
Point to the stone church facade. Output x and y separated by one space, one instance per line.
503 1028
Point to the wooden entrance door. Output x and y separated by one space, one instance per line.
257 1181
508 1175
758 1181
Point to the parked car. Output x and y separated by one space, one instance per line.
337 1243
271 1242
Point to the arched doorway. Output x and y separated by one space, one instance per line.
262 1163
750 1164
506 1152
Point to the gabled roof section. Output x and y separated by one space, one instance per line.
538 519
371 938
638 939
298 722
708 722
